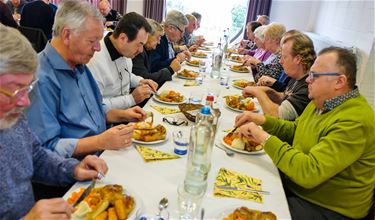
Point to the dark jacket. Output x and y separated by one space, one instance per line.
159 57
142 67
6 17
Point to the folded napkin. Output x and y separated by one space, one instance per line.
165 110
150 155
232 179
191 83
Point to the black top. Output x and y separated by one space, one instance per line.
6 17
296 93
38 15
113 15
142 67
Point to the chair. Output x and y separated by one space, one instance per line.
36 37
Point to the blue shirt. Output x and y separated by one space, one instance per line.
66 104
22 159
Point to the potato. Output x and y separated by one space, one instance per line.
102 216
112 214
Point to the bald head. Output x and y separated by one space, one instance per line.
104 7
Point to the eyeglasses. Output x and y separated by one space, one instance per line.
19 93
313 75
174 121
177 28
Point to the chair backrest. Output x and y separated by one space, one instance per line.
36 37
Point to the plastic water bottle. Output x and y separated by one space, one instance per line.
217 59
199 157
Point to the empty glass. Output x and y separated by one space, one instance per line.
224 79
202 66
196 97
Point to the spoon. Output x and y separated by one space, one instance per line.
163 204
228 152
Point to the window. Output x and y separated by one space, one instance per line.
217 16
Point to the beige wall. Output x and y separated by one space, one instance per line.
135 5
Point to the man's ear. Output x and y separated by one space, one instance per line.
297 59
66 35
341 81
123 37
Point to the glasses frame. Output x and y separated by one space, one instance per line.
175 122
175 26
313 75
19 93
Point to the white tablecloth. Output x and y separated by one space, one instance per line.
151 181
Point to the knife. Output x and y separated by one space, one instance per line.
85 193
245 190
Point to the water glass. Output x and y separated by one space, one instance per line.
224 79
202 66
181 142
196 97
188 204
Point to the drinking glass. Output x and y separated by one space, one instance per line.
224 79
196 97
181 142
188 204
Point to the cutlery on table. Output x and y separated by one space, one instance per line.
228 152
245 190
85 193
163 204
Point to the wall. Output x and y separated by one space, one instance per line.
135 5
349 22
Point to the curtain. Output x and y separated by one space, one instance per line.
118 5
257 7
154 9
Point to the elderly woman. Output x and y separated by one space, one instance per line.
174 26
249 45
270 67
260 53
142 64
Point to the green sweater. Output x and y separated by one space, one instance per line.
329 158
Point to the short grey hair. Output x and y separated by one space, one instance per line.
176 18
259 32
155 26
16 54
73 14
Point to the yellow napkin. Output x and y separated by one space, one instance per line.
150 155
232 179
165 110
191 83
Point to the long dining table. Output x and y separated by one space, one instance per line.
149 182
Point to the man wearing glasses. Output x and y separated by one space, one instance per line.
174 26
112 66
328 153
22 158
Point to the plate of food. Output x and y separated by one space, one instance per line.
231 50
150 135
187 74
240 104
204 48
241 212
199 54
239 69
242 145
169 97
236 59
110 200
242 83
193 63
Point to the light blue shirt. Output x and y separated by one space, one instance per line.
66 104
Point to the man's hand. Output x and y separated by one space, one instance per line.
247 117
193 48
50 209
135 113
266 81
175 65
187 54
152 84
141 93
180 57
116 137
255 91
89 168
254 132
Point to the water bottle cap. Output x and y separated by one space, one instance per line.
210 98
205 110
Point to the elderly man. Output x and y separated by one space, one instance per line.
15 6
67 114
328 153
112 66
190 28
141 63
263 19
108 13
22 158
174 26
297 56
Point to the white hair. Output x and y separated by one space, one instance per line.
259 32
73 14
176 18
16 53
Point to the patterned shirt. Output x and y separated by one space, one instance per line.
273 68
332 103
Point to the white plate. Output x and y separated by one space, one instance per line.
239 110
168 103
189 64
238 87
223 213
193 55
240 151
152 142
137 200
231 69
184 77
